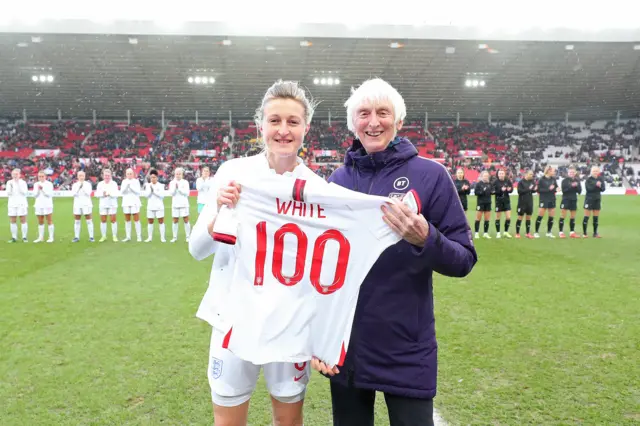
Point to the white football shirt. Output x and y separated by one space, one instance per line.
17 192
303 248
155 195
203 186
108 194
81 195
202 245
43 193
179 190
130 190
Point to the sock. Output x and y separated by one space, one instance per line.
497 225
477 226
150 230
114 229
549 224
40 232
174 228
162 231
127 229
103 228
595 224
187 229
90 228
14 231
486 226
561 224
518 225
572 225
507 224
528 224
585 223
51 229
138 230
538 222
25 229
76 229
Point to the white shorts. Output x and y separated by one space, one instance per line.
233 380
131 209
106 211
155 214
17 211
43 211
179 212
82 211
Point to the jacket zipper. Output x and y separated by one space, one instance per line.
375 172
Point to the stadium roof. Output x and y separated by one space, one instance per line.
148 73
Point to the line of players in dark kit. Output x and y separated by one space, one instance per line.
502 187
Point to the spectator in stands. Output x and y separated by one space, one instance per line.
401 364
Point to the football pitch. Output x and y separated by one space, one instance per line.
541 332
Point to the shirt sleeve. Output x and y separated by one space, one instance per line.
136 188
449 248
201 243
48 190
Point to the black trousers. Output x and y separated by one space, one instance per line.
355 407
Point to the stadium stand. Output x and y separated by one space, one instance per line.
62 148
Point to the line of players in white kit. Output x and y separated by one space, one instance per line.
108 192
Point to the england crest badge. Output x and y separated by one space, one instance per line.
216 368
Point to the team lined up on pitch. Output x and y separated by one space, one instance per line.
108 193
501 188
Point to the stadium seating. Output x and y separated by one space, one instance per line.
62 148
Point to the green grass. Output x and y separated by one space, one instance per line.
541 332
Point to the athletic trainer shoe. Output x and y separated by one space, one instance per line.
531 237
476 235
550 235
517 236
573 235
506 235
103 239
561 235
536 235
75 240
596 236
487 236
13 240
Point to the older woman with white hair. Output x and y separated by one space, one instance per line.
393 343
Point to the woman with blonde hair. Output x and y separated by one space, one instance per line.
284 118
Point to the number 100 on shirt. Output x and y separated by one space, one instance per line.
301 252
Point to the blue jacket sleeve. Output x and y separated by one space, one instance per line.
449 248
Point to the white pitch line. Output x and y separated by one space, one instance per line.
437 420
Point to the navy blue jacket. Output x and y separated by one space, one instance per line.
393 341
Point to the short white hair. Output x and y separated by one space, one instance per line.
178 169
374 90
